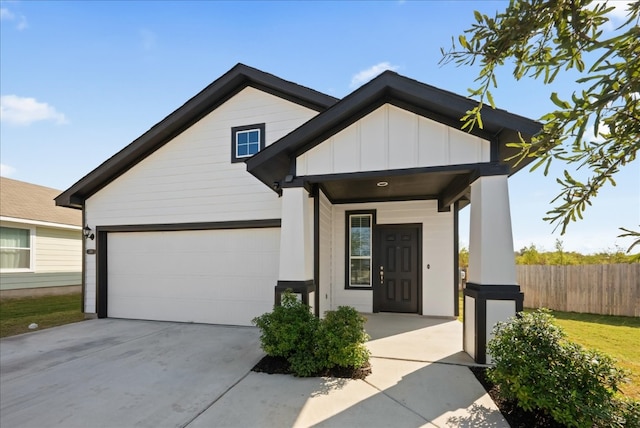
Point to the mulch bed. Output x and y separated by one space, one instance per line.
515 416
279 365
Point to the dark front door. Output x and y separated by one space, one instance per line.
398 268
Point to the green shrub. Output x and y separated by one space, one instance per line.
627 412
311 345
535 365
341 339
289 329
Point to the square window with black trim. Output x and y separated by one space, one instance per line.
246 141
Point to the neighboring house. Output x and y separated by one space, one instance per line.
257 182
40 243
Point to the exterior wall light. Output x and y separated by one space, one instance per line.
86 232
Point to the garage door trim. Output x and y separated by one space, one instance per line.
102 233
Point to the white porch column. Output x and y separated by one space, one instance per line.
296 244
491 293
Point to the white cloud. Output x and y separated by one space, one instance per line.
620 10
17 110
590 136
6 170
617 16
365 75
7 15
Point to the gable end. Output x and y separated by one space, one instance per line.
210 98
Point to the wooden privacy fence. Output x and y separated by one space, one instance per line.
598 289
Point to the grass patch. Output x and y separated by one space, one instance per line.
618 337
46 311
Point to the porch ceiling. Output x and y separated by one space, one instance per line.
444 185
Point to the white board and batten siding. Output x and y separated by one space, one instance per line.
192 179
437 253
392 138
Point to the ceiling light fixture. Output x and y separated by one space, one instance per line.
382 183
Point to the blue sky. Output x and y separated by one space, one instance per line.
81 80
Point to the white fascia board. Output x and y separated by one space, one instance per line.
39 223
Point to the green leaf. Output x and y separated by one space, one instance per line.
490 99
463 41
557 101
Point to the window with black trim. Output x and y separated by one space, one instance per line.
359 249
246 141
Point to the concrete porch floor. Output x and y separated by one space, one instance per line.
416 338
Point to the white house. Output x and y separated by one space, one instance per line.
257 184
40 243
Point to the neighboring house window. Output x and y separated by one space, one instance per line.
15 249
359 249
246 141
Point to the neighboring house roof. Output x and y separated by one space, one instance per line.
20 200
222 89
499 126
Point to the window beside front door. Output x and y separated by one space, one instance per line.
16 253
358 263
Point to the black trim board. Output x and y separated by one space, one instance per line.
101 273
446 183
102 232
300 287
480 294
171 227
316 248
456 257
84 262
207 100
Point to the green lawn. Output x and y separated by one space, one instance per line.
48 311
618 337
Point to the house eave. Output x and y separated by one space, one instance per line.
275 162
218 92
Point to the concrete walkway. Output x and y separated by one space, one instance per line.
419 379
121 373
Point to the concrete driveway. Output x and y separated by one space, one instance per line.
123 373
120 373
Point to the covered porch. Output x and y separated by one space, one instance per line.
419 276
371 191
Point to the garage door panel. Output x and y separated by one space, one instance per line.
217 276
233 312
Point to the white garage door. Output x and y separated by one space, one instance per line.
211 276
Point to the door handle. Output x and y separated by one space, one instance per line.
381 275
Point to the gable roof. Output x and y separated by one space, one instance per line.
500 127
28 201
221 90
